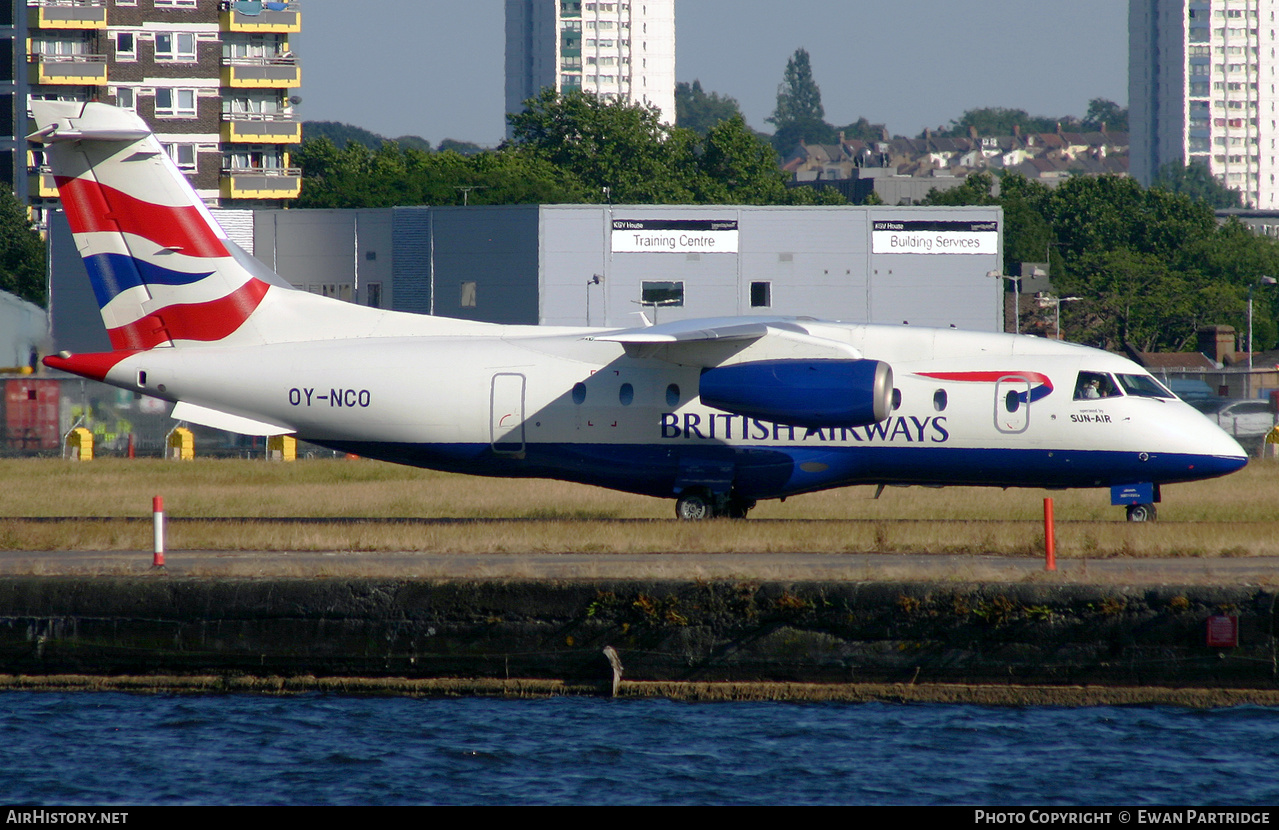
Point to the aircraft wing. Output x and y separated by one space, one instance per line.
718 342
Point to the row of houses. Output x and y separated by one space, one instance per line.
903 170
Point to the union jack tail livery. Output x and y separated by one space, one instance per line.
163 271
715 414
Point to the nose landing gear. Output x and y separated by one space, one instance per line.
1139 499
1142 513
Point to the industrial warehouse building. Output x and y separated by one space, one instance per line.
603 265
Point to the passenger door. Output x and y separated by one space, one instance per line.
1012 404
506 414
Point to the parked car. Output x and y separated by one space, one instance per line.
1242 418
1190 389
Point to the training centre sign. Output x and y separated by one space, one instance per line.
889 237
674 236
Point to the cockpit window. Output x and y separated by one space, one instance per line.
1144 386
1090 385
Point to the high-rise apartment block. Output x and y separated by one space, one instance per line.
212 78
1201 88
623 49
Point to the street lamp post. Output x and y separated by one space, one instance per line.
595 279
1016 281
1261 281
1046 300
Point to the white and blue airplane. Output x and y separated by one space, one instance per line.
715 414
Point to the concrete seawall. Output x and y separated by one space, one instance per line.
665 631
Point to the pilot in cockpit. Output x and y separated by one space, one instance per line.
1094 385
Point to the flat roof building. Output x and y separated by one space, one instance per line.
604 265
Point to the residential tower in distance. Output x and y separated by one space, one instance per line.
1201 88
624 49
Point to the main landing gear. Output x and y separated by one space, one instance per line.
697 504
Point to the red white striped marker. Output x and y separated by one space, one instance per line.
157 513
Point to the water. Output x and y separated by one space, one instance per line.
84 748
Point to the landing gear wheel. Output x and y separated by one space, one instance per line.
1142 513
693 507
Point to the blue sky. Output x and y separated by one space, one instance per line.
435 67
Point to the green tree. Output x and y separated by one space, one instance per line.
786 140
1099 213
22 251
799 99
862 130
699 111
359 177
340 133
1150 266
465 148
735 167
976 189
1103 111
799 114
1002 120
1198 183
566 149
1028 235
621 152
1139 298
1153 266
412 142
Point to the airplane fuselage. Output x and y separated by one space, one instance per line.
556 405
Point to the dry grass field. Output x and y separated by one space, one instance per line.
1230 517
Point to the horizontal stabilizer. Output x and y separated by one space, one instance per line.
202 415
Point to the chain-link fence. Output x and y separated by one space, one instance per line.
37 412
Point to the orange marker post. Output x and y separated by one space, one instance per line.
157 513
1050 538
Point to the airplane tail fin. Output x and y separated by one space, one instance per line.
163 271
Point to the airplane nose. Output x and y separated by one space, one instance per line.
1210 466
1219 452
1186 444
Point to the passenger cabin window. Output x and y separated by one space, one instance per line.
1091 385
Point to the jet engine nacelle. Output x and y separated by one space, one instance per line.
807 393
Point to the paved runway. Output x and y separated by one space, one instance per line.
786 567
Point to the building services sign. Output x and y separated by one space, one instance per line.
935 237
674 236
